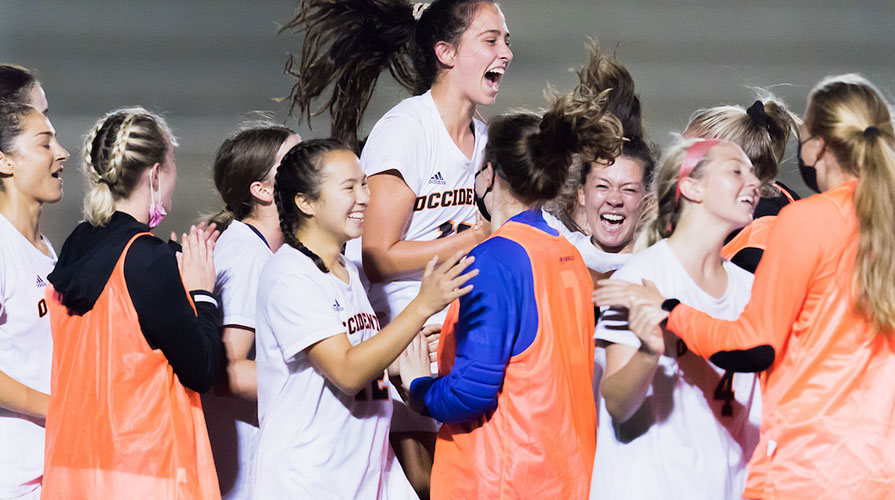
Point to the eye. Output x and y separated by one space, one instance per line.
491 41
631 191
602 186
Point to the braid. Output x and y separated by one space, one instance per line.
285 215
88 150
119 149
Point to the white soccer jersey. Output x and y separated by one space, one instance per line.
26 350
412 139
594 258
317 442
239 257
697 428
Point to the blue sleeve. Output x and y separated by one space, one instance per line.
497 320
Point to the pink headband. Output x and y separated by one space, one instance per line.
695 153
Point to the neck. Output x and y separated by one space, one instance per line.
505 207
24 215
137 206
267 222
322 243
456 111
697 242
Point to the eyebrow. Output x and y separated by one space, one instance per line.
46 132
495 32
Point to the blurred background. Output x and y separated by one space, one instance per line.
208 65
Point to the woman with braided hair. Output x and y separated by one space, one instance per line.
821 317
323 398
135 330
31 163
422 155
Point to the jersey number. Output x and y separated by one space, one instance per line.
447 228
378 388
42 308
724 392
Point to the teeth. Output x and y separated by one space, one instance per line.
499 71
613 217
356 216
747 199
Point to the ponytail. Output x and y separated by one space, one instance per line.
534 153
349 43
855 122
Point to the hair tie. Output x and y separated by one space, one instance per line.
418 9
103 180
695 153
757 114
871 132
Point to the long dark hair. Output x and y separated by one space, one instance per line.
349 43
301 172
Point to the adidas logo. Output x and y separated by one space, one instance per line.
337 307
40 283
437 179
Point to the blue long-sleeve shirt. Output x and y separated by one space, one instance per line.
497 320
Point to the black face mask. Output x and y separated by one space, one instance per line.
808 172
480 200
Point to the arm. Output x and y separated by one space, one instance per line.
351 368
189 339
385 255
781 285
20 398
496 321
629 370
241 373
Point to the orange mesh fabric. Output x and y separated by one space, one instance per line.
119 423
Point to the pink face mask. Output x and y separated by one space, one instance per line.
157 211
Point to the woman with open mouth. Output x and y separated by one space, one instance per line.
31 164
671 424
421 156
821 315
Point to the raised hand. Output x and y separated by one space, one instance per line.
441 284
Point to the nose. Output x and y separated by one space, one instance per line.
506 53
62 154
751 179
614 197
363 197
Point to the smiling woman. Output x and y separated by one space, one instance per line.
451 55
31 161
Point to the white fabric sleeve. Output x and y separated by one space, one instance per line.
613 323
239 291
301 313
397 143
3 278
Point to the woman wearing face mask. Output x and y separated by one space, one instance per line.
671 424
324 402
18 84
31 162
820 318
762 132
422 155
244 170
516 354
135 330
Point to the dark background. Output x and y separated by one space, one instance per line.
207 65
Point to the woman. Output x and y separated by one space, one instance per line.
244 170
134 330
609 196
422 155
323 397
507 434
762 132
820 317
18 84
31 163
672 425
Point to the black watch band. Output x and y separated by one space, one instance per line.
670 304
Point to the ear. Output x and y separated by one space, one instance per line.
262 193
581 201
305 205
692 189
153 173
6 165
446 53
